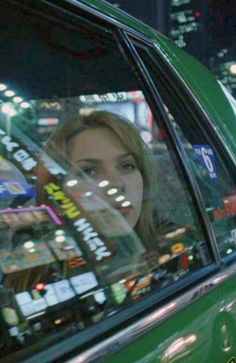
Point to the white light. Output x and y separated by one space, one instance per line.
32 250
8 110
72 182
12 112
120 198
60 239
17 99
125 204
9 93
88 194
29 244
2 87
103 183
59 232
232 68
112 191
24 105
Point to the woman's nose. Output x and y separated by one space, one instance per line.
115 180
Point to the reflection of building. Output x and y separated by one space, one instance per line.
189 26
151 12
207 31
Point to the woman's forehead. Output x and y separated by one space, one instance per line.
96 141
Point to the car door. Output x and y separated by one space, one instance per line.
71 289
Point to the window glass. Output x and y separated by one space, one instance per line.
210 164
95 214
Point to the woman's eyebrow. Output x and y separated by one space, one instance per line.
99 161
88 160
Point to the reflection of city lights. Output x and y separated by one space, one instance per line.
8 110
179 346
17 99
59 232
28 245
58 321
120 198
175 233
103 183
9 93
88 194
112 191
60 239
72 182
232 68
24 105
32 250
2 87
125 204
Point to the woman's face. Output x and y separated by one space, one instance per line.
111 185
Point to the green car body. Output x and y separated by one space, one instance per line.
197 321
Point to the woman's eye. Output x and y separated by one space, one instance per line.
89 171
129 166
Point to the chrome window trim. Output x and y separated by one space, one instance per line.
128 335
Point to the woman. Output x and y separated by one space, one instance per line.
111 175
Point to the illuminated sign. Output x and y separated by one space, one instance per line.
28 215
20 155
11 189
229 209
90 237
207 159
113 97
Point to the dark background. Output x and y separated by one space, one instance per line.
204 28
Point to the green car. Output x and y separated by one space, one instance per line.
118 192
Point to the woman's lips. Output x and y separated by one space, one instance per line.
124 210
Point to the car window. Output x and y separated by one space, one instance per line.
96 215
209 161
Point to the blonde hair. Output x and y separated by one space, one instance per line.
127 132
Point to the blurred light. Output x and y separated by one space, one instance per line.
125 204
120 198
17 99
112 191
103 183
229 251
28 244
24 105
9 93
197 13
40 286
2 87
60 239
58 321
32 250
59 232
8 110
88 194
232 68
72 182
